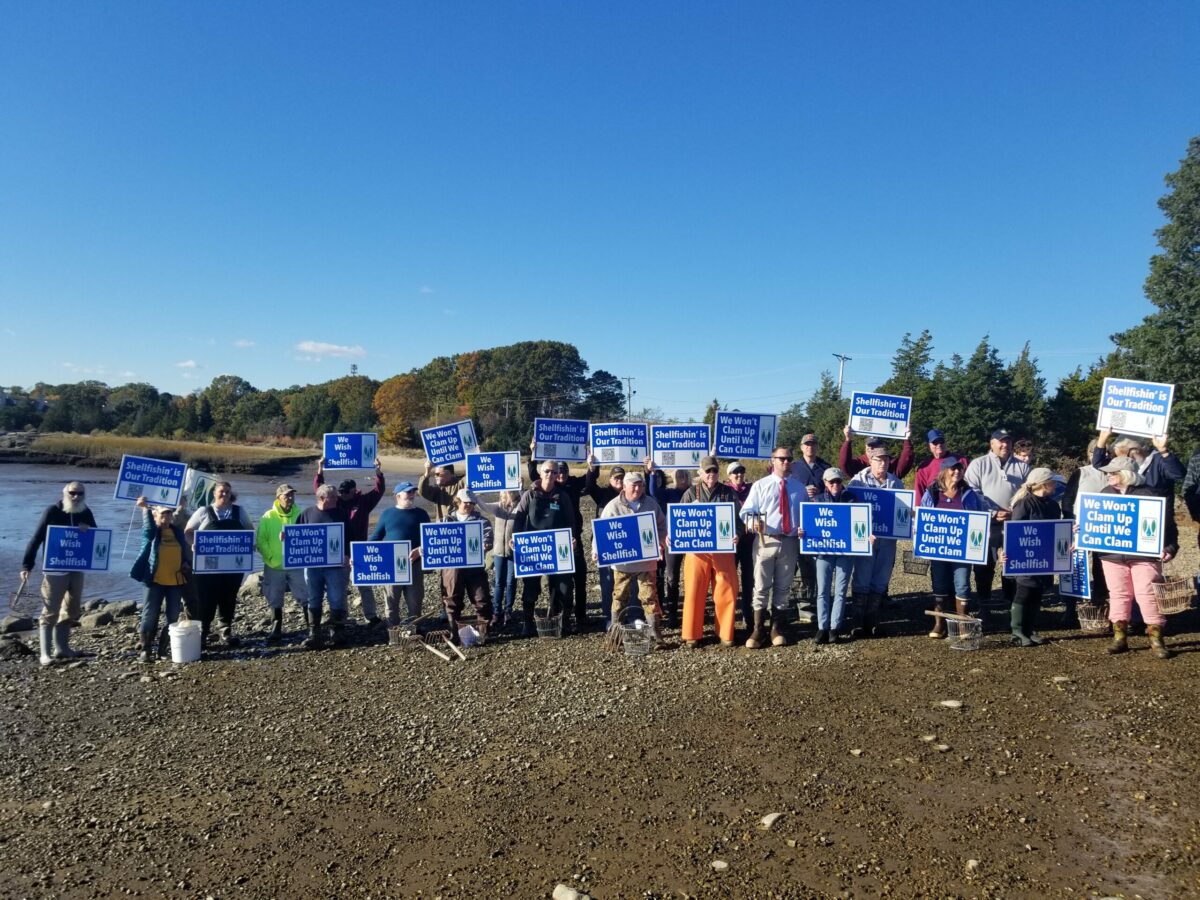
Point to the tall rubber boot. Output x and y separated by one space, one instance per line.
652 627
939 624
227 635
62 642
758 636
960 606
147 654
307 622
1033 608
870 618
1120 638
337 631
275 635
1017 623
46 640
315 639
855 616
1157 646
164 643
778 630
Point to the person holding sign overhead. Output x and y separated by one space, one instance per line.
898 466
216 592
438 486
54 627
1032 501
357 506
704 570
164 566
1131 578
1160 469
772 512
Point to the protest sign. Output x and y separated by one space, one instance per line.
701 527
891 510
843 529
446 444
351 450
314 546
494 471
951 535
544 552
160 481
217 551
452 545
1121 523
198 489
739 435
380 562
565 439
620 443
1135 407
883 414
1077 582
1037 547
679 446
69 549
625 539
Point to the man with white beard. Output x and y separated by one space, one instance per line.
55 624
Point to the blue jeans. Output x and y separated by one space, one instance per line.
504 585
833 577
152 605
329 580
951 578
872 573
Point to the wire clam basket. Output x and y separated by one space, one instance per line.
914 565
637 640
1092 616
964 632
1174 595
548 626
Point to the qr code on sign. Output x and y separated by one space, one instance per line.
549 449
1117 421
211 562
608 454
668 458
865 424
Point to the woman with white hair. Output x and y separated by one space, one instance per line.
1033 500
1131 579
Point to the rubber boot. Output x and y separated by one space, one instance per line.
778 630
1120 638
855 612
227 635
528 629
62 642
870 620
1017 624
147 654
46 640
939 624
652 627
164 643
1157 646
758 636
275 635
307 623
1033 607
315 639
960 606
337 631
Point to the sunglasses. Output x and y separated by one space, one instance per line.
782 458
74 493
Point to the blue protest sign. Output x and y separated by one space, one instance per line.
1077 582
1135 407
544 552
452 545
951 535
1119 523
679 446
160 481
494 471
218 551
351 450
620 442
625 539
76 549
445 444
314 546
739 435
565 439
883 414
836 528
1037 547
700 527
891 510
380 562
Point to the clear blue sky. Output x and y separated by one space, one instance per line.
709 197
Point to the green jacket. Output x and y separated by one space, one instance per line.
268 538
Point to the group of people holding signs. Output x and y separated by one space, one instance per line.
837 526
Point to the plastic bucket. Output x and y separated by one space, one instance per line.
185 641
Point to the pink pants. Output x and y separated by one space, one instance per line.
1130 580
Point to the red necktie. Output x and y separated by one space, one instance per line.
784 510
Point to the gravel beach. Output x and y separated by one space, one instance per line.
544 765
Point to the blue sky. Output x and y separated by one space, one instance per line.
711 198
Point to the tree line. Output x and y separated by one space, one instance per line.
504 388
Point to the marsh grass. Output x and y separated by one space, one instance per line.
107 450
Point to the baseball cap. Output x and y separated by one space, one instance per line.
633 477
404 487
935 436
809 439
1001 434
833 473
708 462
284 489
1120 464
735 466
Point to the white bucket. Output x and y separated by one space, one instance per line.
185 641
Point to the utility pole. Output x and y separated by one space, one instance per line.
506 402
629 392
842 360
